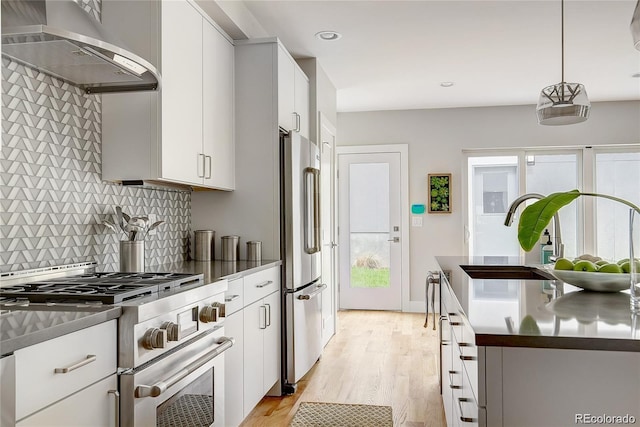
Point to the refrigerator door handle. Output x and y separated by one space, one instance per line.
312 210
313 294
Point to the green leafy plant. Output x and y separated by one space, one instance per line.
439 193
536 217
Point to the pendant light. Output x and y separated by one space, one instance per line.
563 103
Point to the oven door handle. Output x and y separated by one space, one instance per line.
161 386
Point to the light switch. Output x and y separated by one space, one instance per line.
416 221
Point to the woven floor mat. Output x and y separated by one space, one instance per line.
315 414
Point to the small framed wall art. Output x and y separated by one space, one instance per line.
439 192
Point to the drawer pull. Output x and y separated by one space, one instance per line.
90 358
455 323
231 298
465 344
262 285
451 374
462 417
468 358
116 397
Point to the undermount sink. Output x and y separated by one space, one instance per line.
513 272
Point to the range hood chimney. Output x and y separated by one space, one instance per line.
58 37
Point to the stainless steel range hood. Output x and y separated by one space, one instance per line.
59 38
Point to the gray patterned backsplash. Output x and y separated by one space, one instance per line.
53 199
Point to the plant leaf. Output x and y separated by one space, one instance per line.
536 217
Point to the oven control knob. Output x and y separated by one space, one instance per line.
221 310
154 338
173 331
209 314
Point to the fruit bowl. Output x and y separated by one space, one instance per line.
592 281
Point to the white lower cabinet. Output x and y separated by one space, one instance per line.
234 370
69 380
530 387
94 406
252 365
261 349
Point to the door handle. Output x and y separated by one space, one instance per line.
313 294
90 358
208 176
116 397
204 159
394 240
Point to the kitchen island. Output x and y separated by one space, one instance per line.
534 352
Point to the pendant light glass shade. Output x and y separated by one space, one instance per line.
563 103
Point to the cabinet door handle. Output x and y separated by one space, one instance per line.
263 317
268 314
200 155
451 385
116 397
462 417
231 298
468 358
296 127
208 176
90 358
263 284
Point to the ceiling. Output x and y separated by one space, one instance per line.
394 54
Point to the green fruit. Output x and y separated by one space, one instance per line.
563 264
529 326
602 262
626 266
622 261
610 268
585 265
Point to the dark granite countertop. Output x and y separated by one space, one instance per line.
22 326
567 316
217 269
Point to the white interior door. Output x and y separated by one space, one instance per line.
370 231
328 227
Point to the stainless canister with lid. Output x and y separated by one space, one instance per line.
204 241
230 248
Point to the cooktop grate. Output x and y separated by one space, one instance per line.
107 288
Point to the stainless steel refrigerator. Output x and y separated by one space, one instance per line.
300 251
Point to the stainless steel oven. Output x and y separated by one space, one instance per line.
171 339
183 388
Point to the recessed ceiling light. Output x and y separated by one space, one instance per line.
328 35
446 84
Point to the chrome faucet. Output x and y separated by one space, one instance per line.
558 248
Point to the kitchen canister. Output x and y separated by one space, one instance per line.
254 251
230 248
132 256
204 242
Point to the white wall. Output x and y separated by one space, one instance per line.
436 139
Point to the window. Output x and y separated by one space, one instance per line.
494 181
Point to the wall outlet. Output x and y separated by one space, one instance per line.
416 221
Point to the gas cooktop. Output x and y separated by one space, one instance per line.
105 288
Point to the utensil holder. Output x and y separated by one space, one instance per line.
230 248
204 242
132 256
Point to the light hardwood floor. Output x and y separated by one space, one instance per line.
375 358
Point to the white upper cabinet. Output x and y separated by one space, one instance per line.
183 133
293 95
182 93
217 108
